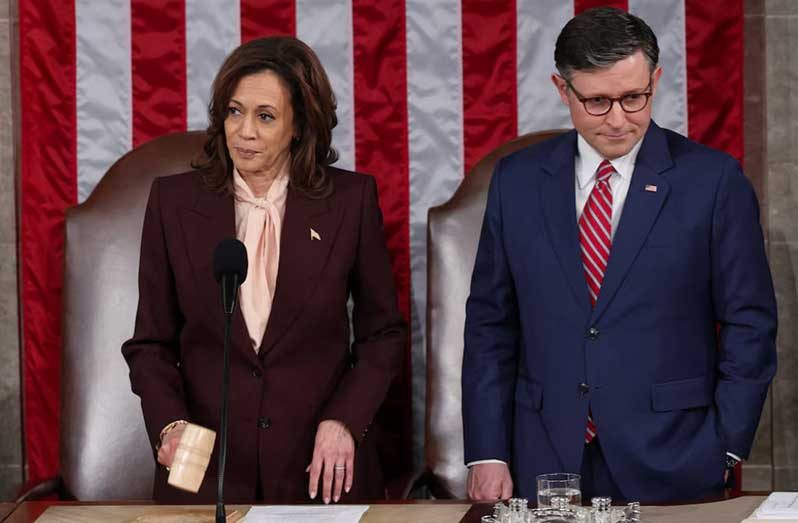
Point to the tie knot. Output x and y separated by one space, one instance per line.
604 171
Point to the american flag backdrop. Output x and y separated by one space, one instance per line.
425 88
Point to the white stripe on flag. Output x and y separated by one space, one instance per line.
435 122
667 19
539 22
213 29
327 28
103 88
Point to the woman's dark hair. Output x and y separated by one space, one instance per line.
312 101
599 37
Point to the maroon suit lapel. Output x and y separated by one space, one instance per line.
309 230
211 220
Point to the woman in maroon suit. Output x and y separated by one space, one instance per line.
303 390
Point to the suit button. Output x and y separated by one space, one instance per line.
592 333
264 423
584 388
256 373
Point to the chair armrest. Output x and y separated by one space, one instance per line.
437 488
48 488
402 486
408 486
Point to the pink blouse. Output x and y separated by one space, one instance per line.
259 222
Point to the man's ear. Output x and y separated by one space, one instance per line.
655 79
562 87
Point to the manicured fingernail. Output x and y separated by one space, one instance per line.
347 489
336 499
326 501
312 494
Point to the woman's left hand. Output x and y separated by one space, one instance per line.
333 460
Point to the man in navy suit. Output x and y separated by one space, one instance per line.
622 318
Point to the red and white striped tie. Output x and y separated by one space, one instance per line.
595 229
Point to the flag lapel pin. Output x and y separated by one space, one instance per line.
314 235
651 188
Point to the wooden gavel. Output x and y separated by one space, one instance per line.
191 458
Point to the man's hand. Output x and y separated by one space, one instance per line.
489 482
166 454
333 460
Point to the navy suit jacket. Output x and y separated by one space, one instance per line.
669 392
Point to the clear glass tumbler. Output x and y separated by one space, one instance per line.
559 484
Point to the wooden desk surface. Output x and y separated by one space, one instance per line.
728 511
73 512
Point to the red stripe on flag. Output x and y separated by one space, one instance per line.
490 99
267 18
381 149
158 61
583 5
714 42
48 186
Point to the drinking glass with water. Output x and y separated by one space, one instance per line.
559 485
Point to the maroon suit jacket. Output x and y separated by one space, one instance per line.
309 367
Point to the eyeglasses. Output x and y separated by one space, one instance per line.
601 105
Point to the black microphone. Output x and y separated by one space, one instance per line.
230 270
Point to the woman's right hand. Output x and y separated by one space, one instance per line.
166 454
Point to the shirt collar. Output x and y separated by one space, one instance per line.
590 159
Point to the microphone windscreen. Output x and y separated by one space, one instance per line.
230 257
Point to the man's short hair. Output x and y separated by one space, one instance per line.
600 37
